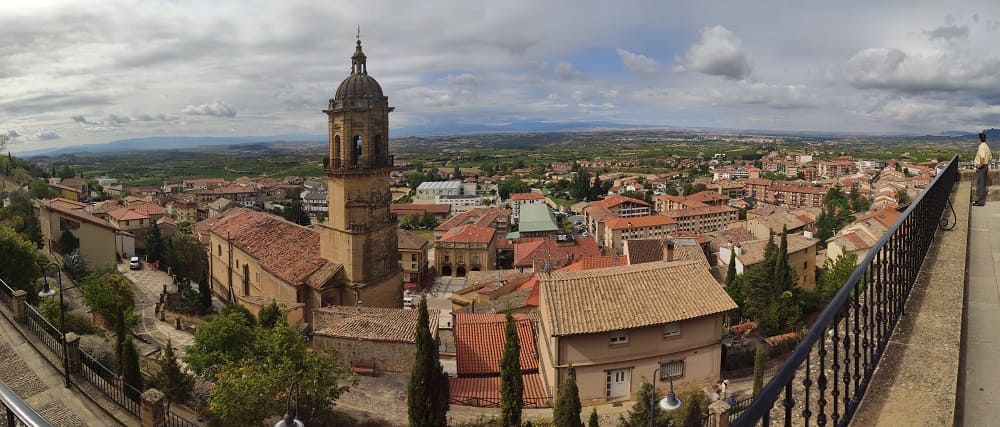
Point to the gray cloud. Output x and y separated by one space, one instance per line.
465 79
215 108
948 32
718 53
116 120
637 62
565 71
45 135
895 70
82 120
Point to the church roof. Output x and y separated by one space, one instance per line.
359 89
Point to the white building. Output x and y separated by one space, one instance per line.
520 199
428 191
460 204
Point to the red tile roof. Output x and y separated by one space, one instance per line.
77 214
616 200
561 253
408 240
371 323
480 216
485 391
707 196
418 208
480 340
287 250
127 214
526 196
885 216
149 209
469 233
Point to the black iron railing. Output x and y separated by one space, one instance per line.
172 420
45 331
824 379
109 383
6 294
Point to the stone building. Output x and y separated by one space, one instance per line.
385 337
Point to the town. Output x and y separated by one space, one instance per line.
692 275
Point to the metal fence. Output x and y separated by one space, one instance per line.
110 384
6 294
41 328
737 408
172 420
838 356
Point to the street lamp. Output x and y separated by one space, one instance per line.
47 292
669 403
290 420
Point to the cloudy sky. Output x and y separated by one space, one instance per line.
84 71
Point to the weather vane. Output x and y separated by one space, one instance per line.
359 32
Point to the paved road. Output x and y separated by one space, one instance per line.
148 284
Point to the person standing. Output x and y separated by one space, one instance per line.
983 157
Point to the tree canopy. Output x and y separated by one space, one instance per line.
511 382
19 265
427 393
109 295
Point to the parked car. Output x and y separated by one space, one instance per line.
134 263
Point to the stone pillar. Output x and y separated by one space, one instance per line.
153 410
73 351
718 414
19 302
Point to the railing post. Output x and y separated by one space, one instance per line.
718 414
153 410
73 352
19 305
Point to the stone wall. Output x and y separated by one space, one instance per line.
388 356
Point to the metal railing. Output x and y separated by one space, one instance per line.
6 294
110 384
41 328
834 363
172 420
17 412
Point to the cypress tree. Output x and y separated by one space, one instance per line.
121 333
758 370
511 382
154 244
731 271
427 393
782 273
639 415
172 380
131 377
593 421
567 410
205 292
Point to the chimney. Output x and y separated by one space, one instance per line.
670 250
738 248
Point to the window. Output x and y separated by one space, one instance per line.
619 337
246 279
672 329
413 257
673 368
220 250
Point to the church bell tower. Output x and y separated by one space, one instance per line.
360 231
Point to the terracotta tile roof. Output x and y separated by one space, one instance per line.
220 203
166 220
370 323
287 250
149 209
490 276
526 196
699 238
792 188
485 391
127 214
77 214
480 340
641 251
615 200
707 196
590 263
103 207
591 301
561 253
480 216
469 233
68 204
757 181
753 251
640 221
408 240
885 216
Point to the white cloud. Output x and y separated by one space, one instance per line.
565 71
948 32
895 70
718 53
465 79
577 95
44 135
637 62
216 108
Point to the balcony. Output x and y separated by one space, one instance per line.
887 347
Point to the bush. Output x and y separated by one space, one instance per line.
739 360
74 322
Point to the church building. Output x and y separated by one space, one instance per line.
350 259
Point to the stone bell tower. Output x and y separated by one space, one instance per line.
360 231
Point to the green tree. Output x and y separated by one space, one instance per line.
186 257
695 408
66 172
758 369
644 407
427 393
205 292
513 185
457 174
222 340
593 421
20 215
511 382
19 265
581 185
68 242
128 364
269 315
835 274
39 189
902 197
155 247
172 380
296 213
110 295
567 409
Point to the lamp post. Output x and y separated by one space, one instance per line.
47 292
290 420
669 403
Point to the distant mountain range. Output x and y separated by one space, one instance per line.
992 134
167 143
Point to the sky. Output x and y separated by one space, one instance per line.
84 71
